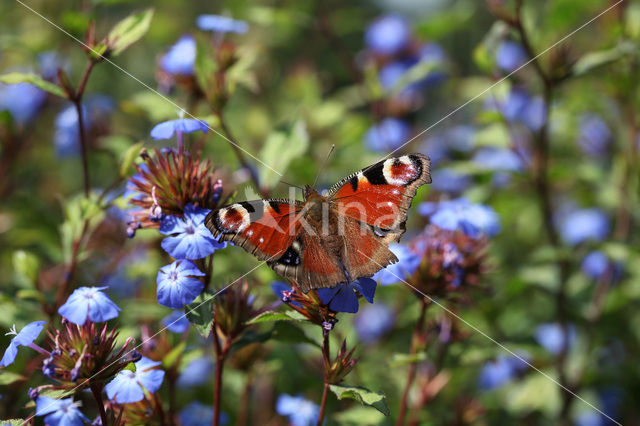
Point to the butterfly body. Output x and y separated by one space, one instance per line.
338 237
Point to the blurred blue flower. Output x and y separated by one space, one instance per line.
551 336
342 298
432 53
66 138
407 263
88 303
510 56
460 138
221 24
589 418
198 414
129 386
595 264
534 114
177 285
374 321
390 74
387 135
501 371
25 337
582 225
22 100
595 135
166 129
181 57
60 412
450 181
472 219
497 159
176 322
388 34
520 107
49 62
189 237
196 373
300 411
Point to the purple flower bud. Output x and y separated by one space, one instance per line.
33 393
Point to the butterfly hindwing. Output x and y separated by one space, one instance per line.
264 228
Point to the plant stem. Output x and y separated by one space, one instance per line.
221 355
411 374
61 293
77 102
96 390
326 363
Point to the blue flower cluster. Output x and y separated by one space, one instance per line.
505 368
474 220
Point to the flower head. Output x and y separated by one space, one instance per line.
198 414
497 373
300 411
22 100
166 129
388 34
553 337
406 265
221 24
25 337
510 56
595 135
597 264
189 237
60 412
176 322
474 220
177 285
374 321
388 135
181 57
343 298
450 181
497 159
196 373
129 386
88 303
582 225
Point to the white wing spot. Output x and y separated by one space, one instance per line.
387 170
261 240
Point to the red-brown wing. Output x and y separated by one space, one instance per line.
380 195
264 228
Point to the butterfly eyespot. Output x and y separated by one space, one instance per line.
291 256
402 170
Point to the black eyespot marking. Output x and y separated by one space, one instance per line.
354 183
248 206
380 232
417 164
375 175
275 206
254 208
290 257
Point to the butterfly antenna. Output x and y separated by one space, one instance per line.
324 163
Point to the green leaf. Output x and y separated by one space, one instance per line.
594 60
30 293
280 149
200 314
26 265
290 333
204 66
174 355
269 316
398 360
16 422
128 158
376 400
36 80
129 30
8 377
249 337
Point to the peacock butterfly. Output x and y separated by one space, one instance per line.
325 240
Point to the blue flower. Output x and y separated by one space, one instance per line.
181 57
390 74
450 181
589 418
176 322
510 56
192 239
281 289
66 138
221 24
166 129
497 159
177 285
60 412
595 135
129 386
501 371
300 411
472 219
551 336
374 321
406 265
22 100
534 115
49 62
387 135
519 107
88 303
199 414
596 264
196 373
388 34
342 298
582 225
25 337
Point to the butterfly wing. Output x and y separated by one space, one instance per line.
372 205
264 228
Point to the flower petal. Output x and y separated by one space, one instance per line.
29 333
124 388
163 130
9 354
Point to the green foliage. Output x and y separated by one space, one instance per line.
200 313
363 395
128 31
36 80
280 149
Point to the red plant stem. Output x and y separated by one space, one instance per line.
411 373
96 390
77 102
326 362
221 355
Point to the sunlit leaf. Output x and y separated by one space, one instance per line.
200 313
36 80
363 395
129 30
